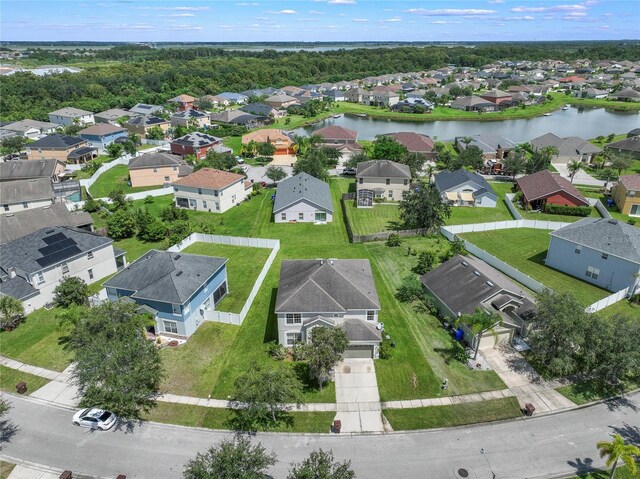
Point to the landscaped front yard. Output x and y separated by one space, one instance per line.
525 249
10 377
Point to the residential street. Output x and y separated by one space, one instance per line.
529 448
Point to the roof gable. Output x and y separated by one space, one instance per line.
303 187
383 169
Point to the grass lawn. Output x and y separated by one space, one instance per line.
454 415
233 142
10 377
146 146
37 341
5 469
198 416
81 175
243 268
525 250
380 218
114 179
623 307
622 472
632 170
532 215
587 391
613 210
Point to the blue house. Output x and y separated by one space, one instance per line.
603 252
102 135
176 288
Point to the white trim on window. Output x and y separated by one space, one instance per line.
293 318
170 327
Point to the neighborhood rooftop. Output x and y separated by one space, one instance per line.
12 192
383 169
209 178
57 141
303 187
196 139
25 169
544 183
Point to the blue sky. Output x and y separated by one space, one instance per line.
318 20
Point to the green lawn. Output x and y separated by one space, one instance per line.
622 472
623 307
233 142
80 175
454 415
37 341
525 250
587 391
380 218
5 469
531 215
243 268
613 210
10 377
212 418
114 179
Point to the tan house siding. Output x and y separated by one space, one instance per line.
45 154
624 201
153 176
394 186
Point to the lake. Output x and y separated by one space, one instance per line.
582 122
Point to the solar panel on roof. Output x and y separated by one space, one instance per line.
53 238
57 246
59 256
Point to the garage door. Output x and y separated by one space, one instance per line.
359 352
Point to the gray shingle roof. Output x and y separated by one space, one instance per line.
27 169
197 139
446 180
383 169
166 277
261 109
488 143
12 192
609 236
235 116
17 287
145 109
149 160
359 330
16 225
70 111
569 146
303 187
114 113
146 120
46 247
57 141
325 286
189 114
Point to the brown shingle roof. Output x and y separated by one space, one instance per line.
270 135
630 182
210 179
183 99
544 183
414 142
336 133
102 129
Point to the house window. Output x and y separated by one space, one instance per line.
233 198
294 318
215 192
406 182
390 193
90 255
25 205
65 268
6 207
321 216
217 206
283 216
592 272
605 256
175 168
578 249
207 304
175 309
360 180
293 338
219 293
199 191
193 203
90 271
371 315
632 193
387 181
40 278
155 170
182 202
166 178
204 204
170 327
300 216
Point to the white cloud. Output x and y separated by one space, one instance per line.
393 20
284 12
518 19
179 15
247 4
576 14
315 12
495 2
360 20
555 8
183 9
341 2
443 22
186 27
450 12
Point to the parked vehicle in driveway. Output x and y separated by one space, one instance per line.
349 171
95 418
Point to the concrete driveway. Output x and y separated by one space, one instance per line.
257 173
581 178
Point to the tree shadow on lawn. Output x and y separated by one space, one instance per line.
309 385
271 328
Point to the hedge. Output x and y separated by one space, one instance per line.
567 210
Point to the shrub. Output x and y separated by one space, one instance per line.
121 225
426 261
148 200
92 206
71 291
567 210
299 352
379 199
277 351
393 240
171 213
410 289
631 221
385 351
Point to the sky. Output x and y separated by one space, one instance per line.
317 20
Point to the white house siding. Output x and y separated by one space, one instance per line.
68 120
486 201
226 199
483 202
284 328
17 207
304 208
396 186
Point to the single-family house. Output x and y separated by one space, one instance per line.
232 97
593 93
282 142
33 265
20 195
262 109
329 293
143 123
626 194
177 289
18 224
183 102
303 199
102 135
381 179
629 146
600 251
197 144
497 96
493 147
210 190
626 94
65 148
71 116
280 101
190 117
545 187
31 129
463 284
473 103
157 168
146 109
113 115
239 117
380 98
571 148
415 143
31 169
335 95
465 188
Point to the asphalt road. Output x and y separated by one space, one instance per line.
547 446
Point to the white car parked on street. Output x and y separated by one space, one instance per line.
95 418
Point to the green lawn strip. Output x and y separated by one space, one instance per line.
453 415
213 418
598 172
623 307
37 341
243 268
136 248
423 346
525 249
583 392
622 472
600 103
146 146
117 178
5 469
532 215
380 218
10 377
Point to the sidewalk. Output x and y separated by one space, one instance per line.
29 470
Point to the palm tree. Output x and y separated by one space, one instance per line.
481 322
573 167
616 451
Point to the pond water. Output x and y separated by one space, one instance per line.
582 122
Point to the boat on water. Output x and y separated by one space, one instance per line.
546 114
336 116
566 107
361 115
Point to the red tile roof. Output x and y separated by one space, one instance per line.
209 178
544 183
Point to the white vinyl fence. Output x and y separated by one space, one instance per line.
508 199
597 204
274 245
608 301
452 230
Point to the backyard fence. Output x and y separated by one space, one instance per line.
146 141
597 204
274 245
508 199
451 230
608 301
